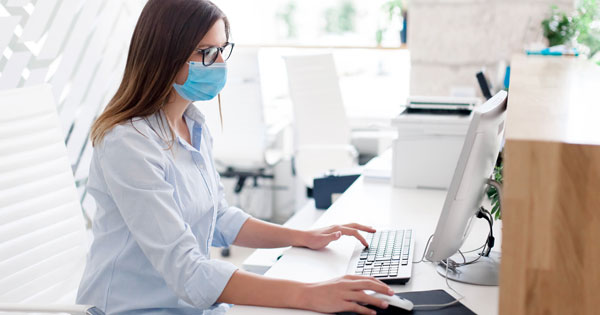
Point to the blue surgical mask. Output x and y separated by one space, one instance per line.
203 83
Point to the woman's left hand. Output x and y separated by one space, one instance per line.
319 238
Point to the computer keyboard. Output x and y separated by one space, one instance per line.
388 257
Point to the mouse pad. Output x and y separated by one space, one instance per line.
424 297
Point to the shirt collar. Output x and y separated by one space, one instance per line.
159 122
193 113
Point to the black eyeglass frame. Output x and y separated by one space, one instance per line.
205 52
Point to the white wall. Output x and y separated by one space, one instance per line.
450 40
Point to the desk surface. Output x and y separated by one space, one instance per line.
379 204
553 99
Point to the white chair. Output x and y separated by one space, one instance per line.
241 149
244 140
43 241
321 131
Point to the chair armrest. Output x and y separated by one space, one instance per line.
74 309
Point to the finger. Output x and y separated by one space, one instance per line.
361 227
361 297
371 284
357 277
353 307
333 236
355 233
332 228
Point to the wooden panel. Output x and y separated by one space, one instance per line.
550 228
551 215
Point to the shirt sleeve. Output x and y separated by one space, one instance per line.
134 168
229 221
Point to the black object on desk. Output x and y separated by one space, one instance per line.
484 85
325 187
421 298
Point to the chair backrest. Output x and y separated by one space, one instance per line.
319 115
43 241
242 142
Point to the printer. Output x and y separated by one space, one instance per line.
441 104
431 132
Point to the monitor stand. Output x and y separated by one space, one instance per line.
482 272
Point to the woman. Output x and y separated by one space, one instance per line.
160 201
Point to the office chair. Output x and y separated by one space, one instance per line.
241 148
321 131
43 241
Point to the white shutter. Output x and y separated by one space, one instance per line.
43 241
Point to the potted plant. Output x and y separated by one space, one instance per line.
492 192
287 15
580 29
393 10
340 19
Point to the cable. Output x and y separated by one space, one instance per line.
432 307
485 214
450 264
463 257
476 249
424 251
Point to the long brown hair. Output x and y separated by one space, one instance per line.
166 34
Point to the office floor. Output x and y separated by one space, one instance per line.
237 256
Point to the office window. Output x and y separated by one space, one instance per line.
373 71
312 22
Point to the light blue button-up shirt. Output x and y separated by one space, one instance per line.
159 210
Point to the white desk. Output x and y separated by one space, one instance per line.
261 260
379 204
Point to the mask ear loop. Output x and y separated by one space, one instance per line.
220 112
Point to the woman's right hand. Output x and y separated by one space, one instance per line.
344 294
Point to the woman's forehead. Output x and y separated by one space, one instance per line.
216 35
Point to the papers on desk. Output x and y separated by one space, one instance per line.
379 169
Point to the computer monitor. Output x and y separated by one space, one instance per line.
467 189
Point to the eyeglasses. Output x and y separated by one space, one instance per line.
210 55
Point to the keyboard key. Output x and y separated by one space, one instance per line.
387 251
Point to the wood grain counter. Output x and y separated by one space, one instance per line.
551 216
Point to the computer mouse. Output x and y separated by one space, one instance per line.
393 300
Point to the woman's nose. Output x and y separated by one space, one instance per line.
220 58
